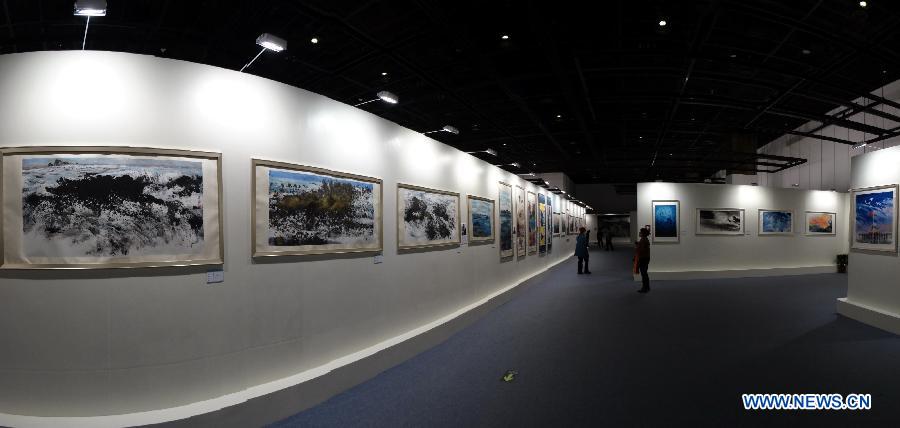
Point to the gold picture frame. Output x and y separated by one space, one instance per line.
454 241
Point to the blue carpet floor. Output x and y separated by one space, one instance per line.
590 351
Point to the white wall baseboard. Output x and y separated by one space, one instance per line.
736 273
875 317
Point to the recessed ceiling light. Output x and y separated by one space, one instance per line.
559 116
505 37
863 4
733 55
384 73
806 51
662 22
640 138
314 40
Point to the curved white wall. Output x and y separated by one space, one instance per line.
110 342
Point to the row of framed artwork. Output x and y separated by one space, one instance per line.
100 207
666 223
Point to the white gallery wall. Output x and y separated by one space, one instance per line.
103 342
751 254
873 292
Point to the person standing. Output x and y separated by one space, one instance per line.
581 251
608 238
642 250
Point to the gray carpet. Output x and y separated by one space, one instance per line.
590 351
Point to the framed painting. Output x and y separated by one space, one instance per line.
505 202
521 223
481 219
542 223
549 226
776 222
110 207
665 224
875 218
305 210
556 223
426 218
820 223
531 203
720 221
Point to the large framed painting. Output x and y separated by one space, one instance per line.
521 223
556 223
720 221
481 219
776 222
505 202
305 210
531 202
549 226
820 223
426 218
617 225
875 222
666 222
110 207
542 223
571 223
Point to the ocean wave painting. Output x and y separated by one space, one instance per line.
773 222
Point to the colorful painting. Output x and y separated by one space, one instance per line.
481 217
542 223
521 223
666 223
303 210
505 201
720 221
820 223
426 217
549 226
86 209
776 222
875 214
532 223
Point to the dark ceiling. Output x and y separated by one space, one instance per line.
601 92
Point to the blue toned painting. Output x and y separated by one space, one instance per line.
506 220
665 219
777 222
875 218
481 219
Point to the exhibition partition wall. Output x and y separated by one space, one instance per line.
873 293
225 165
720 230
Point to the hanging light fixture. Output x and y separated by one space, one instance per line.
268 42
89 8
388 97
447 128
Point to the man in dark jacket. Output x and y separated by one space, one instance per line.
642 251
581 250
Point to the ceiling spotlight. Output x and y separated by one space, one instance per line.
662 22
559 116
90 8
515 165
268 42
384 73
505 37
733 55
491 152
314 40
863 4
447 128
388 97
806 51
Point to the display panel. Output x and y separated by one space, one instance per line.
532 223
521 223
776 222
820 223
426 217
542 223
481 219
666 222
720 221
505 202
304 210
110 207
875 218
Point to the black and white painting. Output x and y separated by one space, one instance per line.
720 221
98 210
308 210
426 217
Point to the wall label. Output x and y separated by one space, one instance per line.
215 276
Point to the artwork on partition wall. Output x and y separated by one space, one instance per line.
101 207
720 221
426 217
481 217
571 224
505 201
776 222
820 223
618 226
531 202
549 227
666 222
875 222
556 223
521 223
542 223
304 210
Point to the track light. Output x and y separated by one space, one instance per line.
388 97
268 42
447 128
491 152
89 8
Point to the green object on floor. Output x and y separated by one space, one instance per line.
509 376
